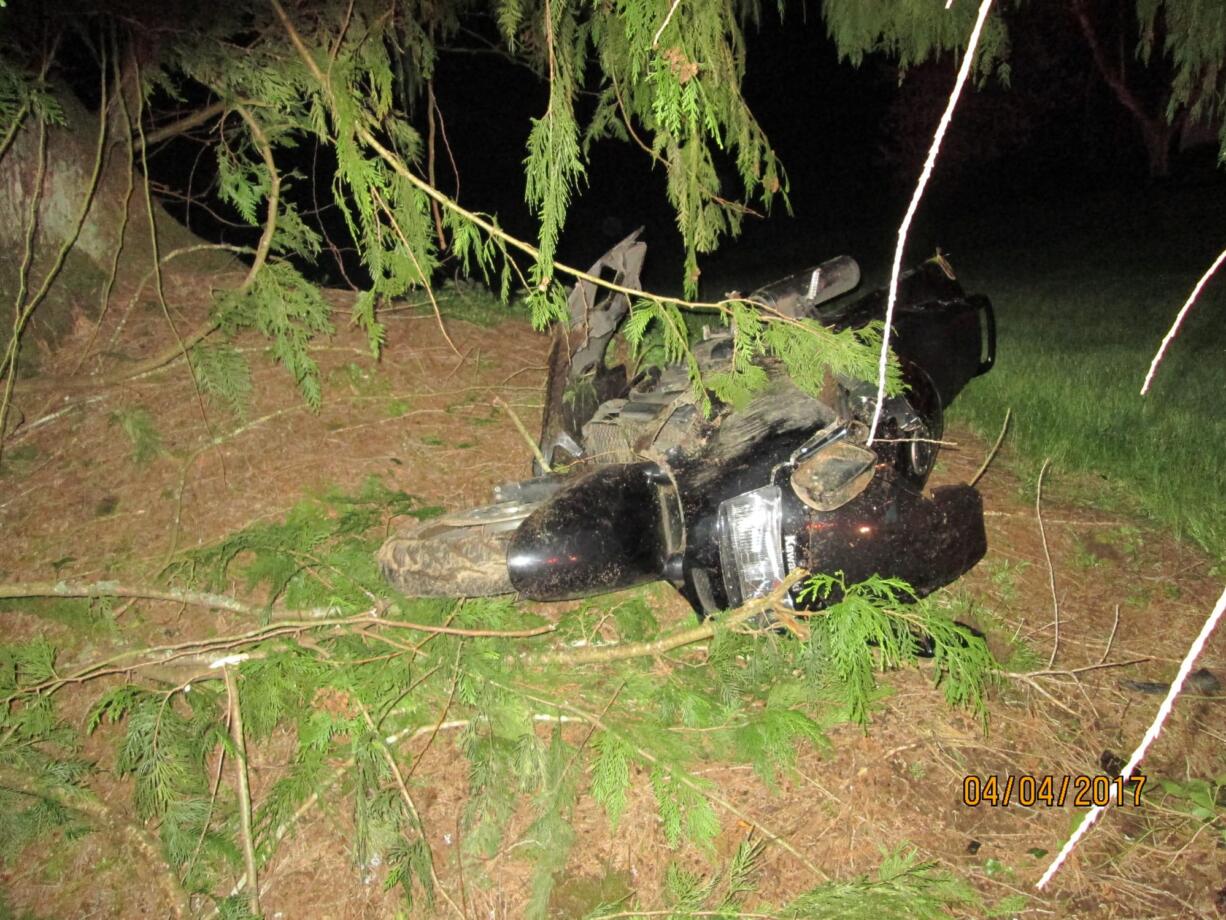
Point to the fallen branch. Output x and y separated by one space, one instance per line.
310 618
244 790
620 651
99 589
290 622
1051 570
285 623
682 778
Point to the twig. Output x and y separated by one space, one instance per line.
620 651
244 791
995 447
1153 366
158 279
97 812
409 805
1051 570
1037 687
523 430
435 210
1111 638
442 716
917 441
274 198
964 71
425 280
1073 672
1185 668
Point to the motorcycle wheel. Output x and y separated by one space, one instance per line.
917 457
460 555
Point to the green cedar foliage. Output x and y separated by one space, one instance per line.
348 76
535 739
1190 34
137 425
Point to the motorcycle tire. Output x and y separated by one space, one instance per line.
917 457
441 560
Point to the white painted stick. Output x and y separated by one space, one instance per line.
1154 730
1153 366
963 72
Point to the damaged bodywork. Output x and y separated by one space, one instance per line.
724 505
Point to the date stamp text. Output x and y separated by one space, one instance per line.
1053 791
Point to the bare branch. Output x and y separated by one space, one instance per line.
623 650
244 790
180 126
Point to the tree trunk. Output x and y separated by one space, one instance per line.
116 222
1157 133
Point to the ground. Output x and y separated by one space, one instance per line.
75 504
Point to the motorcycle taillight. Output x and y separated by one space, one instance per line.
751 543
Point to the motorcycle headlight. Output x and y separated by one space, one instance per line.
750 532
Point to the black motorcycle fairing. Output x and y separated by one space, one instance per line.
891 527
937 327
802 294
926 540
612 528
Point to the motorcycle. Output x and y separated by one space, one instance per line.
723 505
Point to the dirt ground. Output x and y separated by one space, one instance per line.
74 504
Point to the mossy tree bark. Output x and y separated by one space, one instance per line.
114 237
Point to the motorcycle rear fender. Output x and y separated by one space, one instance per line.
616 527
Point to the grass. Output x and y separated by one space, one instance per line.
1080 316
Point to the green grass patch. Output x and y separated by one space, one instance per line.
1079 318
472 303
